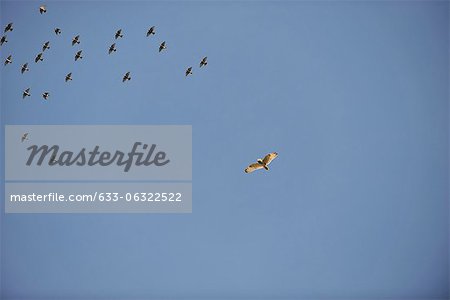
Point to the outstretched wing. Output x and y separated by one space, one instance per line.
269 157
253 167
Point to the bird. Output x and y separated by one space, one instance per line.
78 55
151 31
204 62
162 46
46 46
38 58
26 93
126 77
69 76
57 31
42 9
3 40
112 48
118 34
24 68
45 95
24 137
9 27
8 60
76 40
262 163
189 71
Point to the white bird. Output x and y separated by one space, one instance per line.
42 9
38 58
9 27
8 60
162 46
45 95
204 62
24 137
261 163
24 68
126 77
76 40
46 46
26 93
189 71
151 31
78 55
112 48
69 77
118 34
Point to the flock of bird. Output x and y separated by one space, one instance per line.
79 54
259 164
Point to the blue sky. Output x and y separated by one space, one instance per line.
352 95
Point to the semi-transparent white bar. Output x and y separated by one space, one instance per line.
93 197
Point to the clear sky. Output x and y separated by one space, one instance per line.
352 95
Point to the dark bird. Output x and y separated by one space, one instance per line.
57 31
204 62
8 60
9 27
42 9
162 46
45 95
118 34
24 137
38 58
262 163
76 40
3 40
189 71
151 31
126 77
46 46
24 68
78 55
26 93
69 77
112 48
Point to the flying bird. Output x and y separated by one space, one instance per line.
69 76
46 46
42 9
9 27
151 31
76 40
3 40
24 137
38 58
45 95
57 31
26 93
126 77
112 48
24 68
8 60
261 163
189 71
204 62
118 34
162 46
78 55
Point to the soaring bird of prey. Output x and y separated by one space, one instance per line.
26 93
45 95
126 77
78 55
188 71
24 68
9 27
57 31
24 137
3 40
46 46
8 60
38 58
76 40
204 62
162 46
42 9
69 76
118 34
112 48
151 31
261 163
